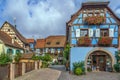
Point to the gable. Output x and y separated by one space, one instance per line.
89 9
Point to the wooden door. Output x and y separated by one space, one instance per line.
101 62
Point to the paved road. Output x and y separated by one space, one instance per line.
91 76
57 72
42 74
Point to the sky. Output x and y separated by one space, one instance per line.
41 18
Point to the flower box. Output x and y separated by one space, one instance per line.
105 41
95 20
84 41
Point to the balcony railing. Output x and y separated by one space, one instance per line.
105 41
84 41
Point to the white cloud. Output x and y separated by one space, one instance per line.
47 17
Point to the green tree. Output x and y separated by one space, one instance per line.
66 52
5 59
17 57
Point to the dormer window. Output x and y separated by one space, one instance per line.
15 37
48 43
8 30
57 43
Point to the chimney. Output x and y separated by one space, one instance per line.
12 41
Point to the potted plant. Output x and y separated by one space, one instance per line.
94 20
105 41
84 41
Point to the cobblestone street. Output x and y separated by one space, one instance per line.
42 74
59 73
91 76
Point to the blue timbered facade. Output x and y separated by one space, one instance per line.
93 34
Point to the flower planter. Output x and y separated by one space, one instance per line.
95 20
84 41
105 41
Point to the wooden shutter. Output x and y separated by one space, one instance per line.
77 32
111 32
97 33
90 32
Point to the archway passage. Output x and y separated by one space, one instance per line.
99 61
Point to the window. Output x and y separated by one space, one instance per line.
15 37
57 43
104 32
48 43
8 30
83 32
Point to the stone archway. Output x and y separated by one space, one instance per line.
102 50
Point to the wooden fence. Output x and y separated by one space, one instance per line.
29 66
18 69
4 72
13 70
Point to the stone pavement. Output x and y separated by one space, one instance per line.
57 72
91 76
42 74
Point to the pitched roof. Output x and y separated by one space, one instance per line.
7 40
27 55
55 41
21 37
40 43
30 40
92 5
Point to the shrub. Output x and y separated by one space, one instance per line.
78 71
89 69
117 67
79 65
17 57
5 59
46 58
45 64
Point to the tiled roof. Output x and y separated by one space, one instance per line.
55 41
17 33
40 43
30 40
7 40
27 55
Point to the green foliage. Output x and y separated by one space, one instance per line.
5 59
45 64
78 71
46 58
17 57
66 52
35 57
117 65
89 69
79 65
117 55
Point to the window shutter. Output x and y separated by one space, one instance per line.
90 32
97 32
77 32
111 32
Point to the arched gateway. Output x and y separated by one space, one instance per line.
99 60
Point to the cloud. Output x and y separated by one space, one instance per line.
42 17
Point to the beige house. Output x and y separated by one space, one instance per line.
11 30
9 45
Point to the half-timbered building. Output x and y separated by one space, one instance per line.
93 35
15 35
